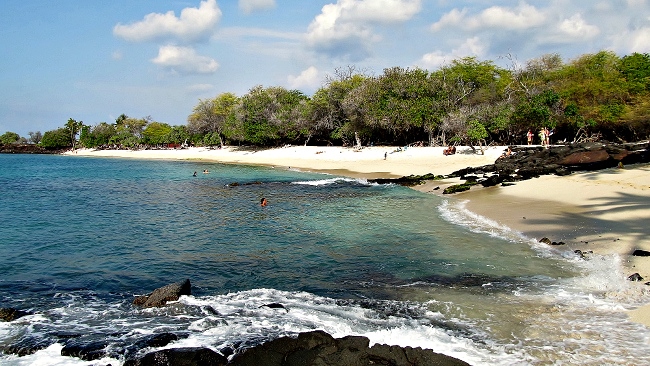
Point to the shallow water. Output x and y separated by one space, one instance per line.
81 236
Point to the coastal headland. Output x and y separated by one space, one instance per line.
604 211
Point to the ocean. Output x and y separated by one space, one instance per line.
80 237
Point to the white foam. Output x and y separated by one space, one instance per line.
51 356
330 181
247 317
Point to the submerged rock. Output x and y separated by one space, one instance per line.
160 296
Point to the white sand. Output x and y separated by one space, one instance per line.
368 162
605 211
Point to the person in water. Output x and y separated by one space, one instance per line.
263 202
194 174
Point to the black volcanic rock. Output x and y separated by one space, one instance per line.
320 348
87 351
531 162
160 296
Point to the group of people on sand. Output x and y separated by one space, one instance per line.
544 136
451 150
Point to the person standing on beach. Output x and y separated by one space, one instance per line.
529 135
385 155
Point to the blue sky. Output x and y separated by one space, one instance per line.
93 60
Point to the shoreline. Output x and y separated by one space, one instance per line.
603 211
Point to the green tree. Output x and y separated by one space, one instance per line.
156 133
9 138
394 106
56 139
73 127
269 116
328 108
178 135
213 116
97 135
128 131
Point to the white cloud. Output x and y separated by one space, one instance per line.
346 28
471 47
637 40
523 16
309 78
193 24
184 60
249 6
452 19
576 28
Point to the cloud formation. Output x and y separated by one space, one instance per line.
346 28
184 60
523 16
527 30
250 6
471 47
193 24
309 78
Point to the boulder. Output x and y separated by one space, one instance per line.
87 351
641 253
160 296
320 348
635 277
595 158
27 346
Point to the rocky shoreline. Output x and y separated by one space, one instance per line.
527 162
26 149
307 348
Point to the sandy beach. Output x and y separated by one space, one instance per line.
369 162
605 211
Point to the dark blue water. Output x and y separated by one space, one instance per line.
81 236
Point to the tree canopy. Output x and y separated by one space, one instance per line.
470 101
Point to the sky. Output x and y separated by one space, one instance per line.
93 60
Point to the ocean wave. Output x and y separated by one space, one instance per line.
246 319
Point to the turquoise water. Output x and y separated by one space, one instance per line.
81 236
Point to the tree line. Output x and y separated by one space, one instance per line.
597 96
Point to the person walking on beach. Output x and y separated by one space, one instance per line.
385 155
529 135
